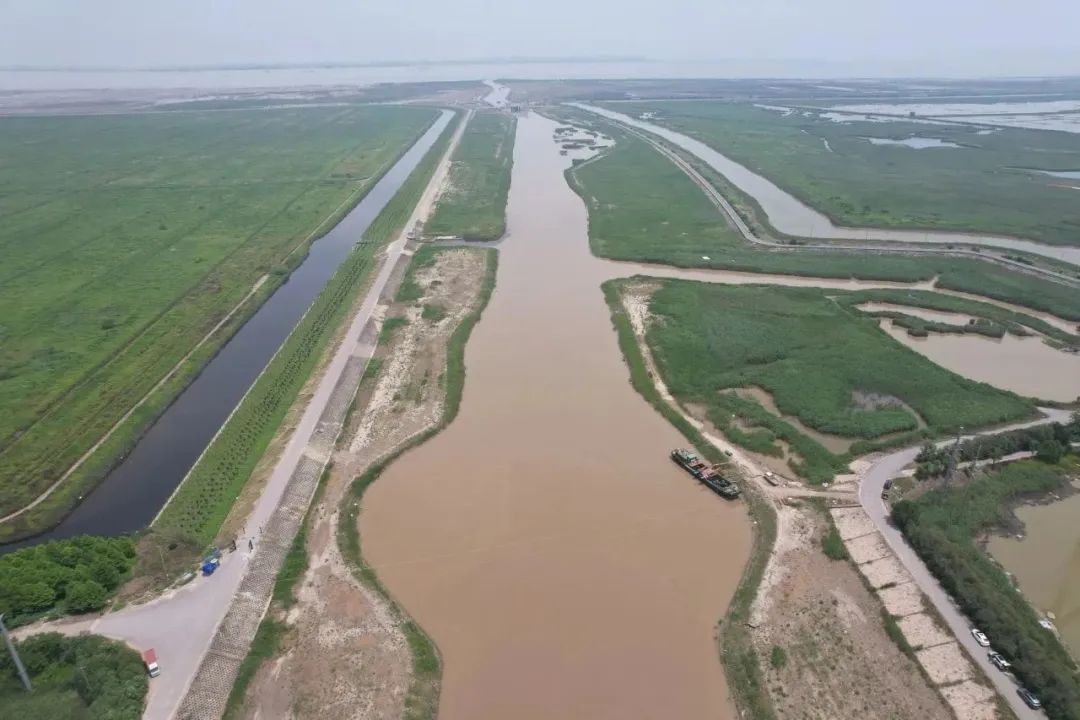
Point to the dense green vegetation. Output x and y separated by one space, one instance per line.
203 501
75 576
943 525
474 205
644 208
835 371
422 699
75 678
130 240
984 186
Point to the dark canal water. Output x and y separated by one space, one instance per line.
133 493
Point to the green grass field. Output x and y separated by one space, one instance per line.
127 238
644 208
984 186
208 492
820 361
474 205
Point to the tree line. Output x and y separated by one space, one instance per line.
1049 443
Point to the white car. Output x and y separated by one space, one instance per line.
999 662
980 637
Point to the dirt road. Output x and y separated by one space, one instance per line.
870 488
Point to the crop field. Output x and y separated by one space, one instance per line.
831 368
985 185
644 208
474 205
207 494
133 236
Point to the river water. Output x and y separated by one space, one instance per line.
133 493
563 565
791 216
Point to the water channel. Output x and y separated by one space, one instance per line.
563 565
133 493
791 216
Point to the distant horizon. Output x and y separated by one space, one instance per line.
529 60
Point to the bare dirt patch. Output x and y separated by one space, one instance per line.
839 661
346 656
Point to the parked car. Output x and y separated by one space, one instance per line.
980 637
999 662
1029 698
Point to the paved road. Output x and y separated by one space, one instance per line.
871 485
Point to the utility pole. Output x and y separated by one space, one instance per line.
15 656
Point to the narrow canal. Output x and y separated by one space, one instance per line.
564 566
136 489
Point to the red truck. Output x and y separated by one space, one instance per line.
149 659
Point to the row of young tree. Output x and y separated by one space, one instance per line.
75 576
1049 443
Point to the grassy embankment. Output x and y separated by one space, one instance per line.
834 371
943 526
207 494
473 206
982 186
85 677
129 241
742 665
422 700
643 208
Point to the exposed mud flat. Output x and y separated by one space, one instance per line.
563 565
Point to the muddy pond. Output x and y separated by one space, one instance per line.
1046 562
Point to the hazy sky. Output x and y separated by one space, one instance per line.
791 37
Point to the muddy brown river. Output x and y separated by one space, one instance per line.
563 565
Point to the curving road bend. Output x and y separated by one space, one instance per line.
871 485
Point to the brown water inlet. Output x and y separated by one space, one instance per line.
560 561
